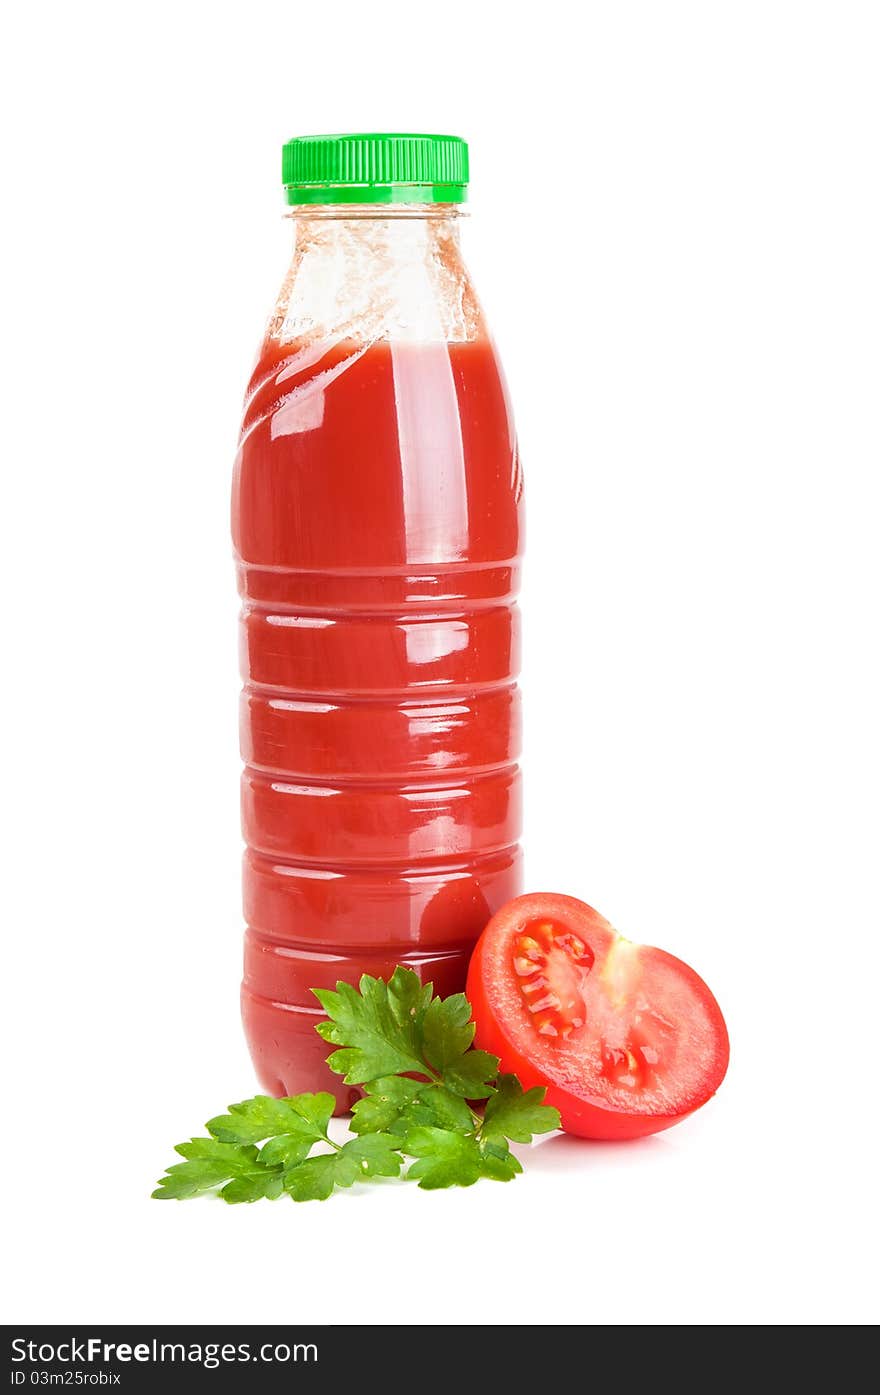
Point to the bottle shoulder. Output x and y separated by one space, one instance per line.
385 454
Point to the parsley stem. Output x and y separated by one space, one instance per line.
425 1069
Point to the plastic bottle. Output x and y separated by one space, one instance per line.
377 523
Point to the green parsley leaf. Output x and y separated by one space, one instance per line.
516 1113
448 1159
444 1158
316 1178
398 1028
499 1163
305 1116
384 1103
471 1075
286 1150
183 1180
438 1108
208 1165
378 1029
254 1187
237 1155
447 1030
396 1103
375 1154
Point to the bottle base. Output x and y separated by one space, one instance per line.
288 1055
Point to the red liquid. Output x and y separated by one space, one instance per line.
377 524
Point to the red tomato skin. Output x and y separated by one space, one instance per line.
584 1118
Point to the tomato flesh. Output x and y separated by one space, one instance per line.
626 1039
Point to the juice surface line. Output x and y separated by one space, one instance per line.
377 523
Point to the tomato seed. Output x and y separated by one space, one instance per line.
551 963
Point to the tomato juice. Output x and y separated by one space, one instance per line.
377 522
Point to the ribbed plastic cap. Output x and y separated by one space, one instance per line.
375 168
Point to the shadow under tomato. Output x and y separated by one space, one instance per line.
563 1151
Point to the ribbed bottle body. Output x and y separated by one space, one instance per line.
377 528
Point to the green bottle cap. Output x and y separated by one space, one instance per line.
375 169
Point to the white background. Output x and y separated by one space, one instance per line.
676 232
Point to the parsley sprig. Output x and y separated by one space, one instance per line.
412 1054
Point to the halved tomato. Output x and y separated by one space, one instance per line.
626 1039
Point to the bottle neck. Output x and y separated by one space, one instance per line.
436 212
376 271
